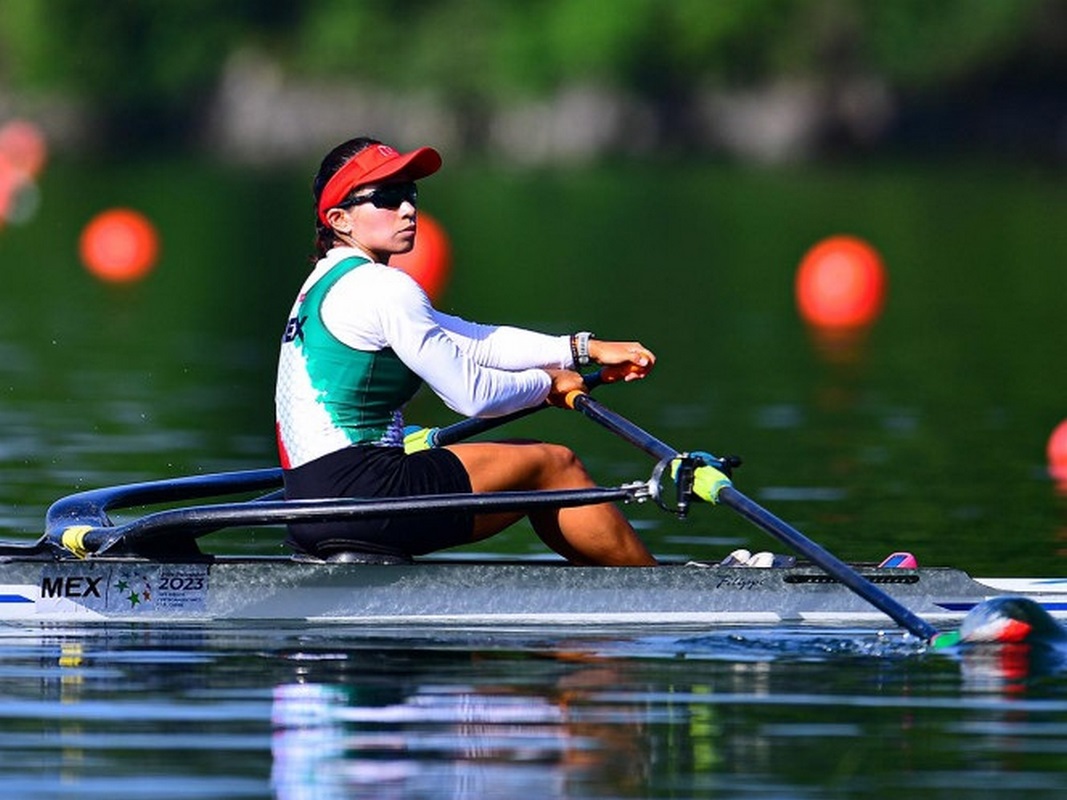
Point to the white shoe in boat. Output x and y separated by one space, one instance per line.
738 558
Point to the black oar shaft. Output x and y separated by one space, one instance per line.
466 428
765 520
841 572
622 427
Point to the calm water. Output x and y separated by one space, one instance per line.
926 434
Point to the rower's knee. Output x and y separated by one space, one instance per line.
562 464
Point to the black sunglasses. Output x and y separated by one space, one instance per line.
389 195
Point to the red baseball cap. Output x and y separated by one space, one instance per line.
373 165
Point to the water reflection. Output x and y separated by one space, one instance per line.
530 732
329 742
229 711
1010 669
840 347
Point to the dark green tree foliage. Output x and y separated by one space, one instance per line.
147 64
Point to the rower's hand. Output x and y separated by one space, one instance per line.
564 381
628 361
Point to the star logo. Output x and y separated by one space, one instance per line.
134 588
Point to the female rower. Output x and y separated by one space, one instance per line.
360 340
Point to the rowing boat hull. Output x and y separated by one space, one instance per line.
480 593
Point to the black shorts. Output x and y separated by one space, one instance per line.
376 472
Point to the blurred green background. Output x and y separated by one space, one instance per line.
642 169
542 79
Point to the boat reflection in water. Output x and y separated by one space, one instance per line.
450 738
1008 642
300 711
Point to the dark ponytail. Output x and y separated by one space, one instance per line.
334 160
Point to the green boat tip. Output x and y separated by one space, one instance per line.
945 639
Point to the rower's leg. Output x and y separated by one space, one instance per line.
598 534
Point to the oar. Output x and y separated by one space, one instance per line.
722 492
425 438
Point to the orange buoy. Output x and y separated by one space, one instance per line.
23 147
23 152
1057 452
11 183
119 245
840 283
430 261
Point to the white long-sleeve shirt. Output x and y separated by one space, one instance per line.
362 313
